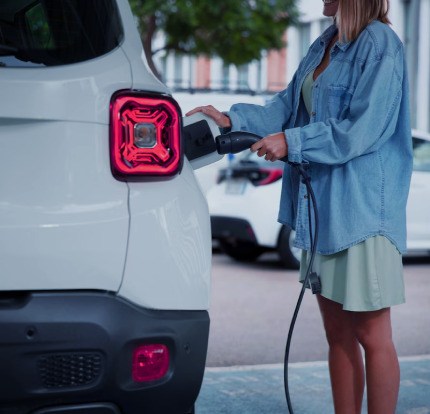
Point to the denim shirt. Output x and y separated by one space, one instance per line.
356 143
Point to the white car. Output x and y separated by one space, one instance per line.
244 207
105 242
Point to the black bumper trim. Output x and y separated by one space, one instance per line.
60 348
98 408
232 228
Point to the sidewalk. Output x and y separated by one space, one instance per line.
260 389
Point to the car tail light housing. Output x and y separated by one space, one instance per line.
150 362
268 176
145 136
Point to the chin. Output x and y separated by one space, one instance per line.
330 10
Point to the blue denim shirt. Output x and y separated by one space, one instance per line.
356 142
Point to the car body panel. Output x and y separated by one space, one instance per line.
63 219
169 255
78 92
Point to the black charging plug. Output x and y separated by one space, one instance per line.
236 141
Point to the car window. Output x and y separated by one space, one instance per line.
421 154
56 32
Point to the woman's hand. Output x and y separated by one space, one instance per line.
272 148
220 119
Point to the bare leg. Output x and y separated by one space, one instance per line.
373 330
345 359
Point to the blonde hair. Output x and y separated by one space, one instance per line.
354 15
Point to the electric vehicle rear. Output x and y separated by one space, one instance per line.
105 239
244 207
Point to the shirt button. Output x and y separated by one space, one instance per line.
313 113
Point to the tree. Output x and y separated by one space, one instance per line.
235 30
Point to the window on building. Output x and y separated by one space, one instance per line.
305 39
411 19
164 68
178 75
242 77
225 79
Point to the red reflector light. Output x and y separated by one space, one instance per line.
270 176
145 135
150 362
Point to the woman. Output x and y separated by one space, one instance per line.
346 116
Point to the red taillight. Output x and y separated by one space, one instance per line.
145 135
268 176
150 362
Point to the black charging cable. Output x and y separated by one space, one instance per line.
311 278
237 141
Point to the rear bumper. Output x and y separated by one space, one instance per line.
62 351
230 228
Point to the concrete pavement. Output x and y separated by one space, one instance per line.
260 389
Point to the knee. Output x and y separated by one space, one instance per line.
338 333
372 340
373 329
365 338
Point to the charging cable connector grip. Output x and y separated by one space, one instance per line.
314 283
234 142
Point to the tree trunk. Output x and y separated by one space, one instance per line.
149 26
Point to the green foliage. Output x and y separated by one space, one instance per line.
235 30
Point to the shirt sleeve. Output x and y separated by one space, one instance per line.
371 118
264 119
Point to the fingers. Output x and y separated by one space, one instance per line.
258 145
220 119
272 148
262 151
194 111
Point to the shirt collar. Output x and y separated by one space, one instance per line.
328 35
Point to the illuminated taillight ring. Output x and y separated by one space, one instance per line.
145 135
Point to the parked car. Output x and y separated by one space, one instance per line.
105 243
244 207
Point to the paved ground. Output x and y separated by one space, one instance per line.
252 305
260 389
250 312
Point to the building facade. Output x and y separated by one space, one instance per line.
410 19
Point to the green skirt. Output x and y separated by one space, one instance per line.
368 276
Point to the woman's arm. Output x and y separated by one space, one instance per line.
259 119
270 118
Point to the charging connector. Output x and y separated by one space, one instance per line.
234 142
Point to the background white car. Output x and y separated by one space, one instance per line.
244 207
